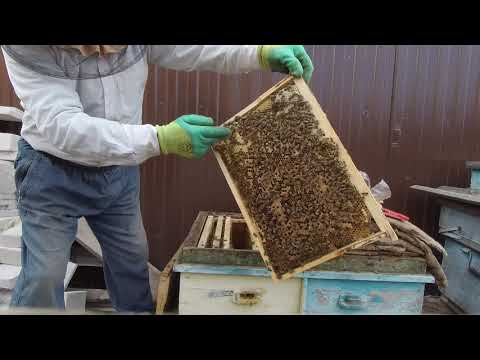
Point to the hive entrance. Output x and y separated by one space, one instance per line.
292 183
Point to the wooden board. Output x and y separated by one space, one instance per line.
227 233
348 262
355 178
207 231
165 285
451 193
217 236
208 294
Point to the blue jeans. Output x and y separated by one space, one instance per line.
52 195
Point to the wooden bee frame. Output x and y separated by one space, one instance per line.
354 175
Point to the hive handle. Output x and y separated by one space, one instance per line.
247 297
352 302
470 267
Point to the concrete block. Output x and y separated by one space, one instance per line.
71 267
8 204
5 296
75 300
8 276
10 232
8 155
7 178
8 196
10 113
8 142
10 256
87 238
97 295
9 213
8 222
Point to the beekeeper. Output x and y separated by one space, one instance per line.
82 140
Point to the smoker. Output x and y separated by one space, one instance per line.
459 228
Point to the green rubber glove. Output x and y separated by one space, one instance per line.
190 136
288 59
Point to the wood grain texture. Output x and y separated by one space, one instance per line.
165 283
217 236
207 232
227 233
209 294
355 178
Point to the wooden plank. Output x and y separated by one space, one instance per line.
217 237
217 294
227 233
348 262
355 178
193 236
327 275
165 283
207 231
455 195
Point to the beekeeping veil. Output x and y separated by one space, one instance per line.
76 62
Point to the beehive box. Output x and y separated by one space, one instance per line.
220 272
301 196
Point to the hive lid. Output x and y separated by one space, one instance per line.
464 195
472 165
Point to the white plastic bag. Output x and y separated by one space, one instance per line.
381 191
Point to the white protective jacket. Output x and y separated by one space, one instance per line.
92 125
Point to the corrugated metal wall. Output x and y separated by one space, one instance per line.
408 114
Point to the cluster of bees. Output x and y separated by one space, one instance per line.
292 181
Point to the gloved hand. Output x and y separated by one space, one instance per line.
190 136
288 59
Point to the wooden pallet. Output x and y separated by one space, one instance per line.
385 230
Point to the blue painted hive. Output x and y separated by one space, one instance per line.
220 273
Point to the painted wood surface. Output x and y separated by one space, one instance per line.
213 290
349 297
449 194
354 263
338 275
227 233
206 232
460 222
217 237
211 294
462 268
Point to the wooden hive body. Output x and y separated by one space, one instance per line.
304 240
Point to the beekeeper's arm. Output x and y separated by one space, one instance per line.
58 113
226 59
232 59
55 106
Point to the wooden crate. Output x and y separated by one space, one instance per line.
355 179
234 280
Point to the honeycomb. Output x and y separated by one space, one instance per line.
292 182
